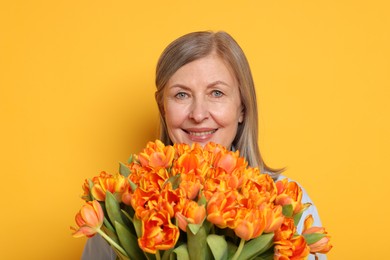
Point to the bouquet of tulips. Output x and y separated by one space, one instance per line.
194 202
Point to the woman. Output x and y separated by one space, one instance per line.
205 92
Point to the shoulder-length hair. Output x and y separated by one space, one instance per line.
196 45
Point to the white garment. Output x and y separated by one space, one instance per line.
97 248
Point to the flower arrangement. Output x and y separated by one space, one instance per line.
194 202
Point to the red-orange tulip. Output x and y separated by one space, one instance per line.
290 193
249 223
158 233
157 155
293 249
321 246
192 213
89 219
116 184
222 209
273 218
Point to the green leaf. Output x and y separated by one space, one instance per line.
124 170
175 180
288 210
108 225
314 237
131 159
298 217
129 242
111 233
127 215
232 248
257 246
269 255
218 246
194 228
137 226
113 208
119 255
133 186
181 253
197 243
167 254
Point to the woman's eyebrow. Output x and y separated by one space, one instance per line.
218 82
179 86
212 84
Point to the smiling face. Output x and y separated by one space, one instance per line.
202 103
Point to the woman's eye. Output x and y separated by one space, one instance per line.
217 93
181 95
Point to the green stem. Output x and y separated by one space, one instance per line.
239 249
112 242
158 255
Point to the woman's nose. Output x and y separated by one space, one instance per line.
199 110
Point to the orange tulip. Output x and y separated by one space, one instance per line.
188 162
290 193
249 223
286 230
226 161
222 209
321 246
293 249
87 191
158 233
157 155
190 188
273 218
288 245
258 189
89 219
192 213
116 184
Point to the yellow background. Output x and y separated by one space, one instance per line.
77 97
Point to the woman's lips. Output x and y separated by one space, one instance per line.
200 135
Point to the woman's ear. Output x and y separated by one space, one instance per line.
242 115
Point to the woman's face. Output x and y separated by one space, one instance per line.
202 103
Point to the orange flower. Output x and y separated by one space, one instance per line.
249 223
191 213
158 233
190 188
89 219
288 245
222 209
188 162
292 249
286 230
321 246
290 193
259 189
228 161
87 191
116 184
157 155
273 218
